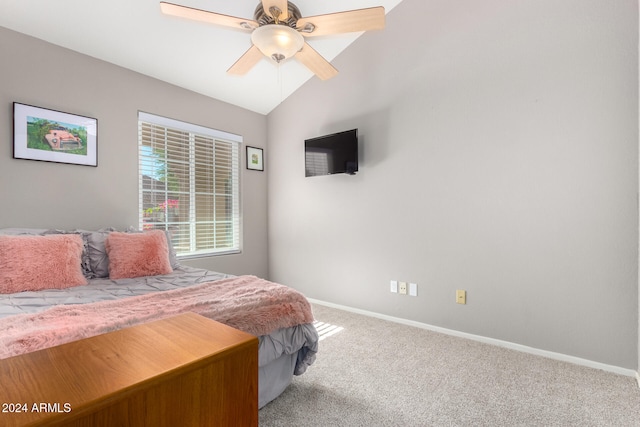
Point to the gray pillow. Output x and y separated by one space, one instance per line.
173 258
95 262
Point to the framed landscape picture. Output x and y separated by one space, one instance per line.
54 136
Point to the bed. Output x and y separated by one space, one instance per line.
60 286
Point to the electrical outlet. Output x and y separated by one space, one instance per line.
461 296
413 289
394 286
403 288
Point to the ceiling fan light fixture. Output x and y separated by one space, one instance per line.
278 42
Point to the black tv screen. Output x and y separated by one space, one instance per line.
331 154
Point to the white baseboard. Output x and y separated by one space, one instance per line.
506 344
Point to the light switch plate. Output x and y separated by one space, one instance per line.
413 289
394 286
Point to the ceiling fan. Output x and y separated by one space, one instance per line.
278 31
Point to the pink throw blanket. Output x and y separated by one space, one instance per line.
248 303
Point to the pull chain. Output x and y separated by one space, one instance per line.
280 81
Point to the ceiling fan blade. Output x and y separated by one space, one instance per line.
246 62
342 22
281 5
208 17
316 63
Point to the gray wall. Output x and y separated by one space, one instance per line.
39 194
499 154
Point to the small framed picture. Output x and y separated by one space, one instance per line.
254 159
54 136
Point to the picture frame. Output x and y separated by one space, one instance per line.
54 136
255 159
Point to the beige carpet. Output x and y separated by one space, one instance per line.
379 373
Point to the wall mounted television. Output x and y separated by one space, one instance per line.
332 154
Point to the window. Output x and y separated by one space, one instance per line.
189 185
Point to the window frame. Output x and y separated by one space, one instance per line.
195 131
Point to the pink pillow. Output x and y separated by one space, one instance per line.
137 254
33 263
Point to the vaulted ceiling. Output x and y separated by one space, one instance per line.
189 54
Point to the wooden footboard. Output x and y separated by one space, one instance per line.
186 370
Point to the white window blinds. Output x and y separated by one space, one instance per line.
189 185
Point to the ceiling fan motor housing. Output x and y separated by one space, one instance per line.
264 18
